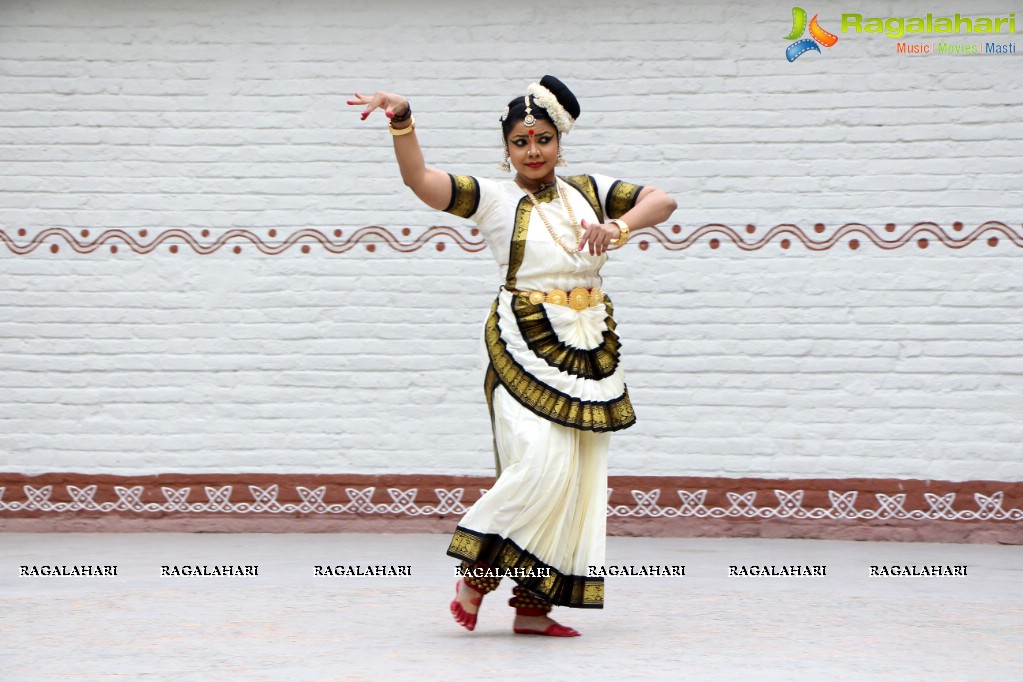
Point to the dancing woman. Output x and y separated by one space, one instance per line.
554 385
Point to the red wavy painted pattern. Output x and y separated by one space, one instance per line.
850 236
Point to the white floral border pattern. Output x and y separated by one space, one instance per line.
449 501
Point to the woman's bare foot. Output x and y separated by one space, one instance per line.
466 605
542 625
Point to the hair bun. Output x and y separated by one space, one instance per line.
562 94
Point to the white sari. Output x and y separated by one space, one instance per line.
554 387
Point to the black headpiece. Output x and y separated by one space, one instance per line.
549 100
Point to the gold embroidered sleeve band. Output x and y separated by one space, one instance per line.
621 198
465 196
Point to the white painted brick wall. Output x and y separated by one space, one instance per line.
161 115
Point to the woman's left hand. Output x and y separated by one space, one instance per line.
599 236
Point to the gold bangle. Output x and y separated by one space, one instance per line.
398 132
623 228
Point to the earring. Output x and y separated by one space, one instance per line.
504 165
560 161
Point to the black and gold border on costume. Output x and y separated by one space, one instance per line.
517 248
587 186
558 588
490 383
584 184
547 402
621 197
465 196
538 333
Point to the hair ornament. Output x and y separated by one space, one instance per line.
546 99
529 120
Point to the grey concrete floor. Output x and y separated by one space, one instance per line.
289 624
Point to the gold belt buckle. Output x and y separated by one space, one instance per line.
579 299
557 297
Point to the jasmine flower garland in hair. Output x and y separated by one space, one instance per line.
546 99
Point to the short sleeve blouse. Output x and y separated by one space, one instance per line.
516 233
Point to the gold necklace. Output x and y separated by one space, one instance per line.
576 227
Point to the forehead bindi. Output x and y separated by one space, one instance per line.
541 128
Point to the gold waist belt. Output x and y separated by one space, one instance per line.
577 299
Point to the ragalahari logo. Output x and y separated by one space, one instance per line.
818 35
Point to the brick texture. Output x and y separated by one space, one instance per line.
767 363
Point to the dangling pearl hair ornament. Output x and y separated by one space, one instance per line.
561 158
504 165
529 121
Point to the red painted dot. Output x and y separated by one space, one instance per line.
922 243
305 248
475 231
440 245
54 248
818 228
957 226
371 247
890 227
854 244
714 243
676 229
237 249
337 233
273 233
785 243
644 245
21 232
174 248
85 233
992 241
750 229
143 233
405 231
532 132
205 233
113 249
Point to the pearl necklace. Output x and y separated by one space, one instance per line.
576 227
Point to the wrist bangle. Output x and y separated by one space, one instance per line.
404 117
623 228
398 132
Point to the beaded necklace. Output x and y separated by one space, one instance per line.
576 227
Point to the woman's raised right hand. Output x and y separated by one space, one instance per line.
392 104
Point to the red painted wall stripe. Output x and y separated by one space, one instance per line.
857 508
269 242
